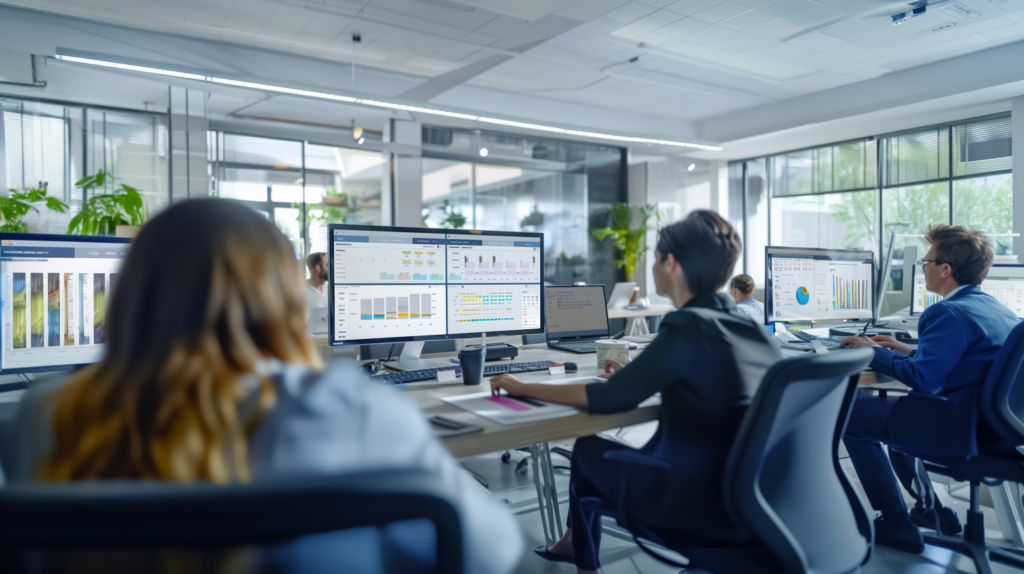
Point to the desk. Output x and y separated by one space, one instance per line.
635 327
498 437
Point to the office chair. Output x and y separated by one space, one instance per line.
66 526
1000 458
790 504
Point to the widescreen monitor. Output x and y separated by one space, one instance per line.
1005 282
921 298
55 291
824 285
391 284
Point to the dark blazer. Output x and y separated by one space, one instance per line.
958 340
707 362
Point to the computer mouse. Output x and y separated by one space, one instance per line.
571 367
847 345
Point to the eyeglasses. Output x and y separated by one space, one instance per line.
923 262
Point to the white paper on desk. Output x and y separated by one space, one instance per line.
480 405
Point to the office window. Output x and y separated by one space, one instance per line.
755 219
909 212
133 147
840 167
914 157
836 221
986 204
982 147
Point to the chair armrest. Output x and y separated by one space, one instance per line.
637 457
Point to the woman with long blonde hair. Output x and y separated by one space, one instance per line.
209 376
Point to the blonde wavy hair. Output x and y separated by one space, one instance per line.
209 291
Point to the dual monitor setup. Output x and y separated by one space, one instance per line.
840 285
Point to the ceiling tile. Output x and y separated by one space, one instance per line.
682 27
704 34
846 27
812 16
744 20
586 10
808 38
659 3
875 37
726 40
772 50
754 43
629 32
630 12
654 39
774 28
719 12
783 8
687 7
656 20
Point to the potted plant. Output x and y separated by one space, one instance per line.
118 212
334 208
17 204
453 218
630 224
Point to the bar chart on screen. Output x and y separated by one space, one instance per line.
494 265
377 311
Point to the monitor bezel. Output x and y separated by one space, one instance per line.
913 274
768 280
469 233
604 295
5 236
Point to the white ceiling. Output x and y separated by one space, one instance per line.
700 61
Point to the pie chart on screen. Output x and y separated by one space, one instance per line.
802 295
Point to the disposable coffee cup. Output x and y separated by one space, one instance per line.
613 349
472 361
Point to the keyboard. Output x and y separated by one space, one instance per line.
580 347
407 377
825 341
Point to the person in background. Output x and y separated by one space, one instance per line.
707 362
316 285
958 340
742 291
209 376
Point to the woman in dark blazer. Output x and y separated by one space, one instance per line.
707 362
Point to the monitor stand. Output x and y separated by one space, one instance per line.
410 359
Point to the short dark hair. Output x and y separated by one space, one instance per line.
743 283
705 245
314 259
966 250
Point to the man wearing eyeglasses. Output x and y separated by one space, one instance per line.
958 340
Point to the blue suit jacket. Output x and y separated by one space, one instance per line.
958 340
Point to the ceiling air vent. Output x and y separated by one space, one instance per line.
437 136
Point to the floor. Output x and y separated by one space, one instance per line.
623 557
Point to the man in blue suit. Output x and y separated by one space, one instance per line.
958 340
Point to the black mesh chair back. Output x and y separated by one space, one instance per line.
783 482
1002 396
414 507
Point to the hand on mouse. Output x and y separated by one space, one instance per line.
890 343
857 342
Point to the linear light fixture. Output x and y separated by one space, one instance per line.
379 104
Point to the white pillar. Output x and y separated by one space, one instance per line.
188 126
406 177
1017 130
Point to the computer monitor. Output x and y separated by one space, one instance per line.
808 285
921 298
882 281
575 312
55 289
408 284
1005 282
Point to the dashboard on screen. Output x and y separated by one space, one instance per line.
416 284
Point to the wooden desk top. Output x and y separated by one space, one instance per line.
496 437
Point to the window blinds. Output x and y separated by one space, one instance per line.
838 167
916 157
982 147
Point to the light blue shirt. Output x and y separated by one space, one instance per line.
335 422
751 307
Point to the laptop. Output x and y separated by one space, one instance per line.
621 294
576 317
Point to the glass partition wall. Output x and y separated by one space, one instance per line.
561 189
300 186
856 194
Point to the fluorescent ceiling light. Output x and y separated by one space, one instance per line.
379 104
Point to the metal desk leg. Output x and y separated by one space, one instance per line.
547 493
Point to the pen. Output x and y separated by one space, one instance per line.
619 336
